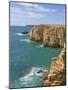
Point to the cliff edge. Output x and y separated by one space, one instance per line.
52 36
49 35
57 73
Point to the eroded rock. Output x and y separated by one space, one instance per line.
57 73
49 35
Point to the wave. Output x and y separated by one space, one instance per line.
34 71
20 34
39 46
25 40
32 79
38 71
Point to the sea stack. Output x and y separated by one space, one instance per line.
49 35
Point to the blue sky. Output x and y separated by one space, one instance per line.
22 14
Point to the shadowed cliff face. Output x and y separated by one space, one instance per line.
57 73
49 35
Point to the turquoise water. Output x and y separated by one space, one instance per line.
26 58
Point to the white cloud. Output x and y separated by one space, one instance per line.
28 12
29 5
36 7
37 11
34 15
44 9
53 10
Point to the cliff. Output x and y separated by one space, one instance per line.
57 73
49 35
52 36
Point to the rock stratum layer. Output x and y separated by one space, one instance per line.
49 35
57 73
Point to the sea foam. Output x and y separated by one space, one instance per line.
39 46
25 40
20 34
34 71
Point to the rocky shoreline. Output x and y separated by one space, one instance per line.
52 36
57 73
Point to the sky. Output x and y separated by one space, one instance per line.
22 14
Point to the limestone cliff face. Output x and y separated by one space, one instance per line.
57 73
50 35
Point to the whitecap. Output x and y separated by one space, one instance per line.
32 78
25 40
39 46
34 71
20 34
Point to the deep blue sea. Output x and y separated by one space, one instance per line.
26 58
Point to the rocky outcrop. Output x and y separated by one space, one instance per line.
49 35
57 73
52 36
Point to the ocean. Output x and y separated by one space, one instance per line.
26 58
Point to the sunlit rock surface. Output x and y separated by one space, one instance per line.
57 73
49 35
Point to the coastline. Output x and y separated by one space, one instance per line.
49 35
57 73
46 34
